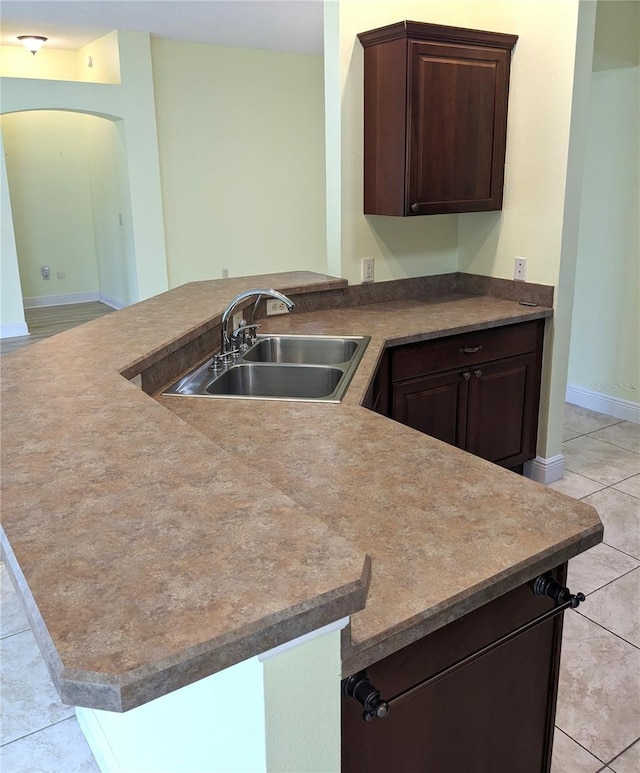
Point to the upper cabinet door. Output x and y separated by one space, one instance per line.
435 102
457 126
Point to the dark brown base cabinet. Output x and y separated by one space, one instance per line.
478 391
494 715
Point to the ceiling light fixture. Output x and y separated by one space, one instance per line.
32 42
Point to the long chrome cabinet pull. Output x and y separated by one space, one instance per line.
360 688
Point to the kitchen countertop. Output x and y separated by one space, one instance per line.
156 541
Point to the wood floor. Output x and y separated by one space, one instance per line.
49 320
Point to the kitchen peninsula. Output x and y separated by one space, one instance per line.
158 541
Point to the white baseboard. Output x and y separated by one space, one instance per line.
14 330
545 470
64 300
97 740
109 300
60 300
618 407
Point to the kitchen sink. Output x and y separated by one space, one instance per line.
326 350
306 368
247 380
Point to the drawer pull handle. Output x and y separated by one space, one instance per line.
470 349
477 373
466 375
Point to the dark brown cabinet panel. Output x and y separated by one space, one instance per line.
478 391
377 397
435 118
502 405
495 714
435 405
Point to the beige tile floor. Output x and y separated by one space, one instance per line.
598 717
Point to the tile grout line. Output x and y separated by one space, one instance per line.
613 633
606 485
15 633
615 579
619 754
581 746
624 552
39 730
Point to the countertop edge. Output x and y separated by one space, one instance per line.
355 658
120 693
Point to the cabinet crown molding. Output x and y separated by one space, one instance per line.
418 30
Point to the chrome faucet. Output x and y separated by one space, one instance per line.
230 343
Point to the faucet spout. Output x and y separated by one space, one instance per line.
225 338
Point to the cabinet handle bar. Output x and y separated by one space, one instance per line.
378 707
470 349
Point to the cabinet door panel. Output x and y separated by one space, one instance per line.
456 131
435 405
494 715
499 410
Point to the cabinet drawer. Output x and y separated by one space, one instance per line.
473 348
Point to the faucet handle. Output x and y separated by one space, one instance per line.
241 335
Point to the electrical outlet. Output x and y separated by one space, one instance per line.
275 307
46 273
367 267
520 270
225 273
237 319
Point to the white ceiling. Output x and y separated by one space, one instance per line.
280 25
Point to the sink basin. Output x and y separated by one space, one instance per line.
308 368
283 381
326 350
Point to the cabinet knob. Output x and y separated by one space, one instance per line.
466 375
470 349
477 373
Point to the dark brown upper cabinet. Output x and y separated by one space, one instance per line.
435 118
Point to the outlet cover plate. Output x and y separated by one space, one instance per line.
275 306
367 267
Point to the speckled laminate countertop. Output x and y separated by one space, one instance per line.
156 541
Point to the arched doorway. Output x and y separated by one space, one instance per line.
70 206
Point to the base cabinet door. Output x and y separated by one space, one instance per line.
435 405
500 400
494 715
477 391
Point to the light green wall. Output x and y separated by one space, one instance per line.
64 65
241 139
402 247
302 707
49 63
12 322
99 61
617 33
605 347
111 211
132 102
47 165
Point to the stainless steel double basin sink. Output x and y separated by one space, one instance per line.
307 368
